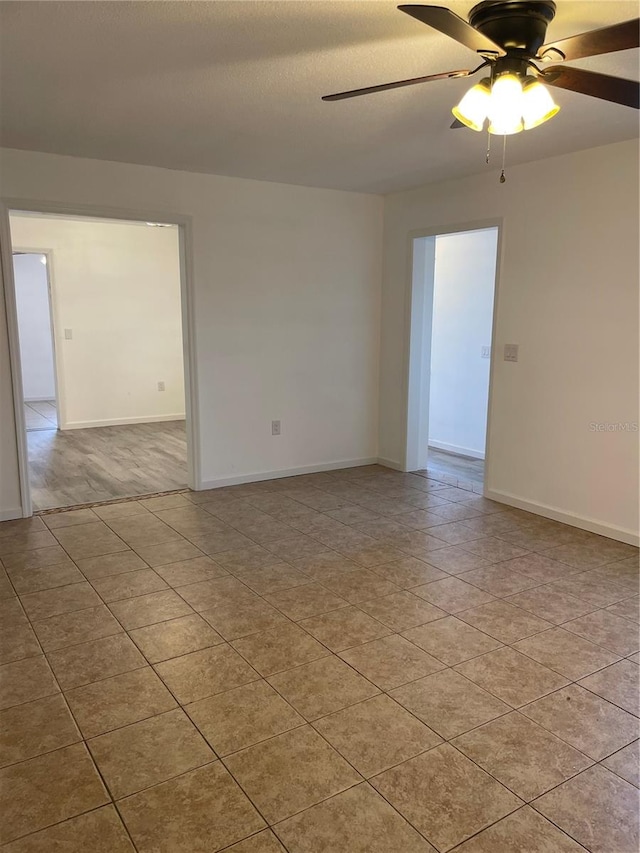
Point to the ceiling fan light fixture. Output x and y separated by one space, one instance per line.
474 106
505 105
537 104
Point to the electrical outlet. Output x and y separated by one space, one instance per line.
485 352
275 427
511 352
160 386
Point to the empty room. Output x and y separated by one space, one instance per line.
319 444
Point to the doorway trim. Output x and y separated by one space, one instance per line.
185 240
417 303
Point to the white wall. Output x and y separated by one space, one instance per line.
464 279
568 295
116 286
286 306
34 324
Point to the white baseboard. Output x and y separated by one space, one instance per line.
10 514
286 472
630 537
390 463
456 450
148 419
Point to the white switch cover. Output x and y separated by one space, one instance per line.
275 427
511 352
68 334
485 352
160 386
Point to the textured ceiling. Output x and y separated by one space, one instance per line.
233 88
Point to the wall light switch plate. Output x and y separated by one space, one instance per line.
68 334
275 427
485 352
511 352
160 386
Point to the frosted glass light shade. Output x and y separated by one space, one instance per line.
537 105
505 105
472 109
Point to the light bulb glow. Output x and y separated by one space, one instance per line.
472 109
505 106
537 105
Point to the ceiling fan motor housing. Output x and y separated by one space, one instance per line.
518 26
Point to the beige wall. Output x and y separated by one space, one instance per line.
116 286
568 295
286 306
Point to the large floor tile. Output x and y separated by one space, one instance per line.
409 572
26 680
376 734
148 752
89 540
238 718
511 676
164 553
618 684
261 842
500 580
595 727
87 662
613 632
598 809
63 599
35 580
175 637
236 619
451 640
401 610
291 772
35 728
524 831
128 585
626 763
205 672
341 629
360 585
17 641
108 565
566 653
452 594
523 756
194 570
114 702
57 632
553 606
47 789
391 661
445 796
301 602
279 649
199 812
321 687
149 609
503 621
100 831
449 703
358 820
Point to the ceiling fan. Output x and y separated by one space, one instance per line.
508 35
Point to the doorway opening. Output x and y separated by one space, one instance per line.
102 358
37 350
452 313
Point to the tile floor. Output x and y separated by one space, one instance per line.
356 662
457 469
40 414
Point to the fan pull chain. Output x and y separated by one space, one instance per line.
504 157
488 157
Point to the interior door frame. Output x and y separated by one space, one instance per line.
185 239
419 307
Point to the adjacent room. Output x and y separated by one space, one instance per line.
319 427
100 327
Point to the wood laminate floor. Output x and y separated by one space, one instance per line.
103 463
455 470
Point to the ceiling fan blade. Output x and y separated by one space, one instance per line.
455 125
614 89
354 93
623 36
452 25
